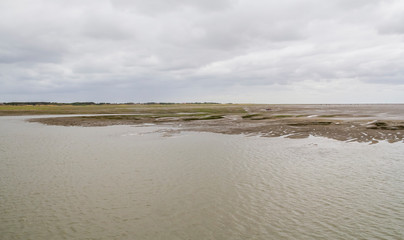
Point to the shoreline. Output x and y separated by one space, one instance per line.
351 123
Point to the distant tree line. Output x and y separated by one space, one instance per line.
167 103
31 103
49 103
93 103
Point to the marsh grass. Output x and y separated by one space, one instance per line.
260 118
282 116
385 126
328 116
380 124
114 117
251 115
309 124
203 118
152 117
155 109
256 116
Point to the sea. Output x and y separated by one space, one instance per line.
139 182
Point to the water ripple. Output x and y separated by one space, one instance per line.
97 183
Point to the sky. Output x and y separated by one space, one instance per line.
239 51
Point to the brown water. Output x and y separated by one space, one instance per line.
126 182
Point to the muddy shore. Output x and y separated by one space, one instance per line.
358 123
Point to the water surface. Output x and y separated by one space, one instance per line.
126 182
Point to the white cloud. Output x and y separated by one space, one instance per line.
181 50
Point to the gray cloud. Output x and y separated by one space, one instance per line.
153 7
181 50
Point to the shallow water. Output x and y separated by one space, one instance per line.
125 182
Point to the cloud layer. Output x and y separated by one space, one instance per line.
307 51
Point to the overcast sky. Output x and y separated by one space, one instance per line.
256 51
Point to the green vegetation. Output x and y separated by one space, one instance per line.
204 118
259 118
114 117
160 110
251 115
309 124
385 126
327 116
282 116
380 124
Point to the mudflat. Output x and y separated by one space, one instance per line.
349 122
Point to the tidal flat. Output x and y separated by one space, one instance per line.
345 122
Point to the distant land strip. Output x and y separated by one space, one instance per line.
350 122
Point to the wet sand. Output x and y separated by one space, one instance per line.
357 123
